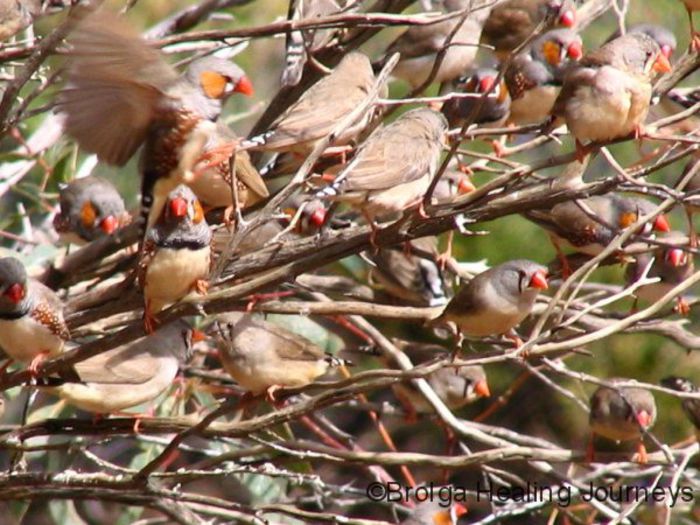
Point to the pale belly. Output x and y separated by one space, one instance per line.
170 275
534 106
594 118
415 71
384 203
616 431
257 375
25 338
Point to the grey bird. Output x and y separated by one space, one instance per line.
31 316
664 37
621 414
419 45
393 168
90 208
497 300
607 95
513 21
121 94
494 110
263 357
691 407
129 375
176 255
535 76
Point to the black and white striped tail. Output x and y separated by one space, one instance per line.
295 48
337 361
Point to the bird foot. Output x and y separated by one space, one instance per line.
582 152
258 297
464 168
201 286
498 149
695 42
36 362
642 456
271 392
149 322
682 307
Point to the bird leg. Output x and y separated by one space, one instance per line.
512 335
642 456
36 362
590 450
582 151
682 307
375 230
149 320
694 35
443 258
565 268
257 297
201 286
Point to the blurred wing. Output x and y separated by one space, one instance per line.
132 366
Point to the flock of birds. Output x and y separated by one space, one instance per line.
121 95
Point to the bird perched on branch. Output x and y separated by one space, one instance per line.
621 414
91 207
421 45
510 23
607 95
535 76
121 94
176 255
264 357
493 110
31 316
691 407
662 36
495 301
129 375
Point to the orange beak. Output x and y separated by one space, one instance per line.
178 207
661 224
482 388
459 509
661 64
644 418
568 18
676 257
666 50
539 280
465 186
15 293
575 50
109 224
244 86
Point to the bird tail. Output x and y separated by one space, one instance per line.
335 361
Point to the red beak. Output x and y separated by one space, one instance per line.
482 388
661 64
568 19
539 280
644 418
575 50
661 224
109 224
244 86
178 207
459 509
676 256
465 186
15 293
485 84
318 217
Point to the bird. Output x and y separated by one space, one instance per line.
510 23
420 45
621 414
319 110
121 94
176 254
455 386
411 278
606 96
126 376
90 208
211 175
493 110
691 407
535 75
32 327
664 37
671 265
263 357
15 15
690 7
393 168
589 225
495 301
433 511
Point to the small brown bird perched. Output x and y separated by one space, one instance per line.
621 414
128 375
691 407
492 112
495 301
121 94
419 45
662 36
264 357
607 95
176 255
31 316
512 22
672 265
91 207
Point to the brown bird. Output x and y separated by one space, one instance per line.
129 375
312 117
691 6
607 95
419 45
672 265
589 225
495 301
90 207
176 254
455 386
665 38
393 168
492 112
121 94
264 357
512 22
535 76
31 316
691 406
434 512
621 414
